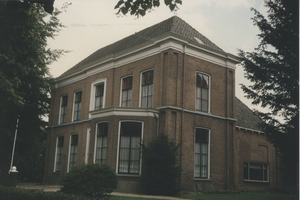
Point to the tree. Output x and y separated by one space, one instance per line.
160 172
140 7
274 73
23 83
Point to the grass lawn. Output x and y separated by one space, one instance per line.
241 196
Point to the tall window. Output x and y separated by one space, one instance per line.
256 171
77 106
126 91
99 96
59 153
102 131
73 150
63 109
130 148
202 92
147 89
202 153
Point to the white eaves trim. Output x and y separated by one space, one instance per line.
124 111
202 52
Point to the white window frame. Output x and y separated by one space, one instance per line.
88 133
141 80
55 158
60 103
208 153
248 172
118 149
95 145
69 153
121 90
93 92
209 92
73 110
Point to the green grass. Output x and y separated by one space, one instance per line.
241 196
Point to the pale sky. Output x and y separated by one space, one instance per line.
93 24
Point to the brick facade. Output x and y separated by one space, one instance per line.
175 66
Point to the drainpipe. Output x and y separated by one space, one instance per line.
157 124
226 131
182 106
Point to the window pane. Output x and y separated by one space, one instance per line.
204 106
199 79
205 81
204 94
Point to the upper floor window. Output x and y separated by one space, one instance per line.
77 106
202 92
101 142
59 153
63 109
73 150
130 148
256 172
126 91
97 98
99 93
147 89
202 151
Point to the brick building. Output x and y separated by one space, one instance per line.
170 79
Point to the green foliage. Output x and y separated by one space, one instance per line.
161 173
92 180
274 71
9 193
140 7
24 89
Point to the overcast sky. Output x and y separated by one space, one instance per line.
93 24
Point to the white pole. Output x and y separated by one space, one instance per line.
13 150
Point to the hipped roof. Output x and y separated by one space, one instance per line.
173 25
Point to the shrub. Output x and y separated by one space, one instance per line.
93 180
10 193
160 170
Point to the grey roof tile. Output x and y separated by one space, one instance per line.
246 118
173 25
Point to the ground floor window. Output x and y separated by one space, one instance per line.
202 143
101 142
256 171
73 150
59 153
130 148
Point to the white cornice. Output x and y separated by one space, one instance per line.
131 55
124 111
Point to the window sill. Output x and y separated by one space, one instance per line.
56 172
129 175
256 181
202 179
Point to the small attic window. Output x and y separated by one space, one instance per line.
198 40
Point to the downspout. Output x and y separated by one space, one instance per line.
182 106
157 124
226 131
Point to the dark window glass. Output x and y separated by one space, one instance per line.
130 148
201 153
77 105
101 142
126 91
147 89
73 152
63 109
59 153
